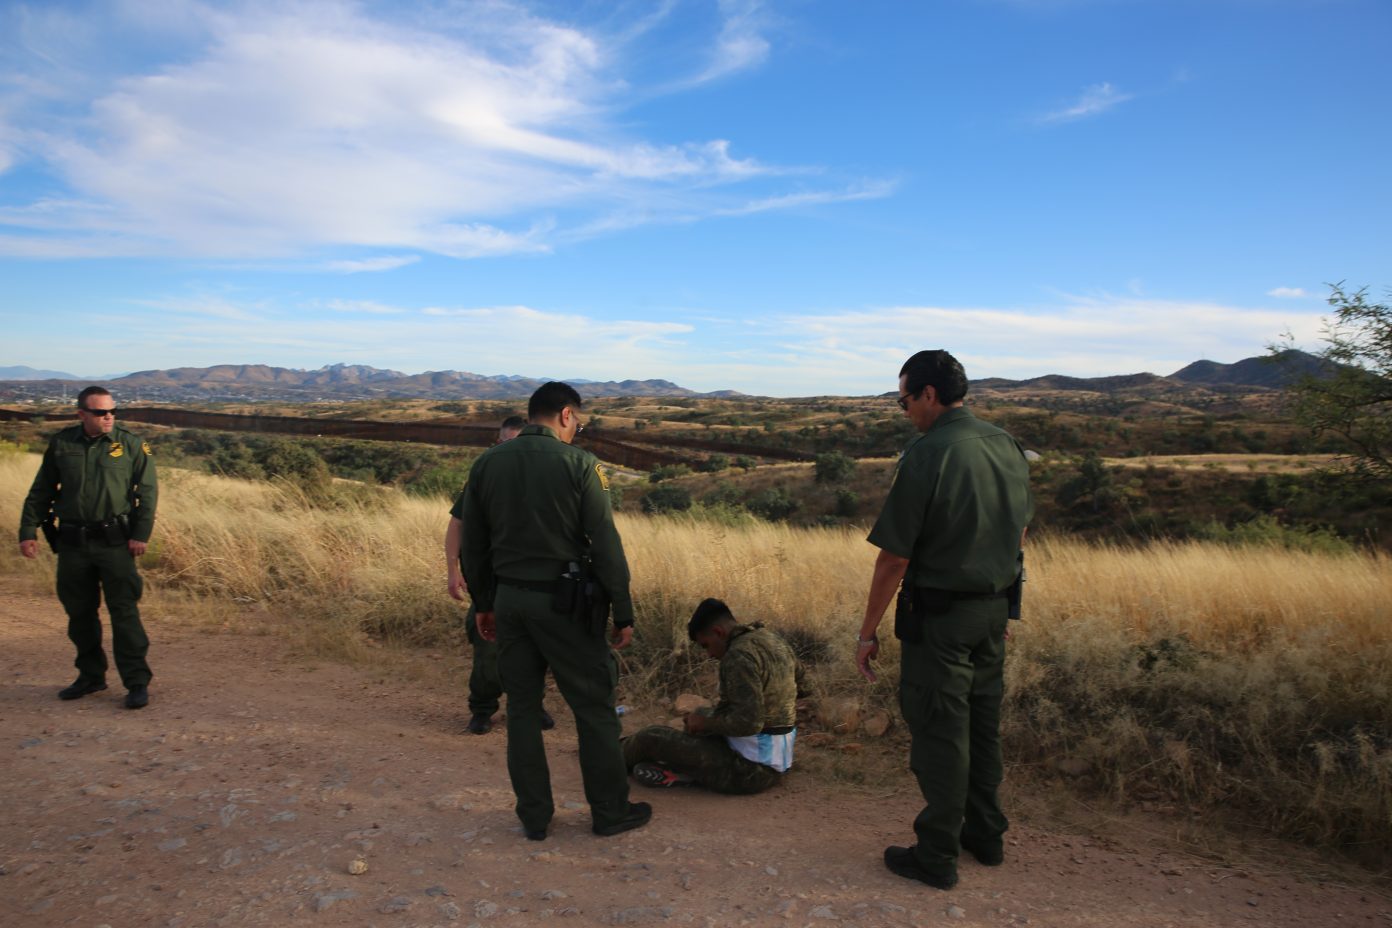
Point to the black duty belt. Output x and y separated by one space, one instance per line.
89 526
959 595
777 729
534 586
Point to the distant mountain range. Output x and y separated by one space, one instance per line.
356 381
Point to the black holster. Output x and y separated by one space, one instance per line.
578 594
50 533
914 606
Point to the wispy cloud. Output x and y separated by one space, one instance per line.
848 352
272 131
369 265
364 306
1287 293
1094 101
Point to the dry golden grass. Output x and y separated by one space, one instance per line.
1197 675
1235 463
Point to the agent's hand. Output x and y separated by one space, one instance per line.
695 723
136 548
457 587
867 651
487 628
30 548
622 637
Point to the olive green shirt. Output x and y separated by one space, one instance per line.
759 682
533 506
958 507
91 480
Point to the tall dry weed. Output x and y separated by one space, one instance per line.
1190 675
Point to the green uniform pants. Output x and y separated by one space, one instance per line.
87 573
950 689
531 638
707 759
485 686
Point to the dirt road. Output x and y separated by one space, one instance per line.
241 795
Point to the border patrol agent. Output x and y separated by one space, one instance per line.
745 743
98 481
950 531
534 507
485 686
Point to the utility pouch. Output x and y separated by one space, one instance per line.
597 604
50 533
73 535
908 625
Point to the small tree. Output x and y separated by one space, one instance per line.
834 467
1350 393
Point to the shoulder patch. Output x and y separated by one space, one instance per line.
145 446
603 480
116 449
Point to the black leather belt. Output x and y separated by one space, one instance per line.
958 594
534 586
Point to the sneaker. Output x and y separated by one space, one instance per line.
137 697
638 815
901 860
987 855
479 724
547 722
658 777
81 687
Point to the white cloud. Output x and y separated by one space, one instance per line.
1287 293
1094 101
364 306
369 265
275 130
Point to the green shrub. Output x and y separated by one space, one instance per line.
834 467
775 505
667 499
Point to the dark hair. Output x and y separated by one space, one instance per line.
709 612
512 422
550 398
91 391
936 369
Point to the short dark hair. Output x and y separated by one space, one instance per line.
512 422
936 369
550 398
709 612
91 391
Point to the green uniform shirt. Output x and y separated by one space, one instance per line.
958 506
533 506
759 677
93 479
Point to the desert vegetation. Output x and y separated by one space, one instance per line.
1243 678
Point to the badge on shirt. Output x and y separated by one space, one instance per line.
116 449
603 480
145 446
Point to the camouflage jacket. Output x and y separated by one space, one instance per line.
759 682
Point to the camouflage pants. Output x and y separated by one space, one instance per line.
707 759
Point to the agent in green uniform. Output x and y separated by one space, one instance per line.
485 686
98 481
950 531
532 508
745 743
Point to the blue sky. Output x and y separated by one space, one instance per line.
784 198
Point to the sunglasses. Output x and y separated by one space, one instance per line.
99 413
903 402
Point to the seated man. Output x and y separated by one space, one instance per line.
745 743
